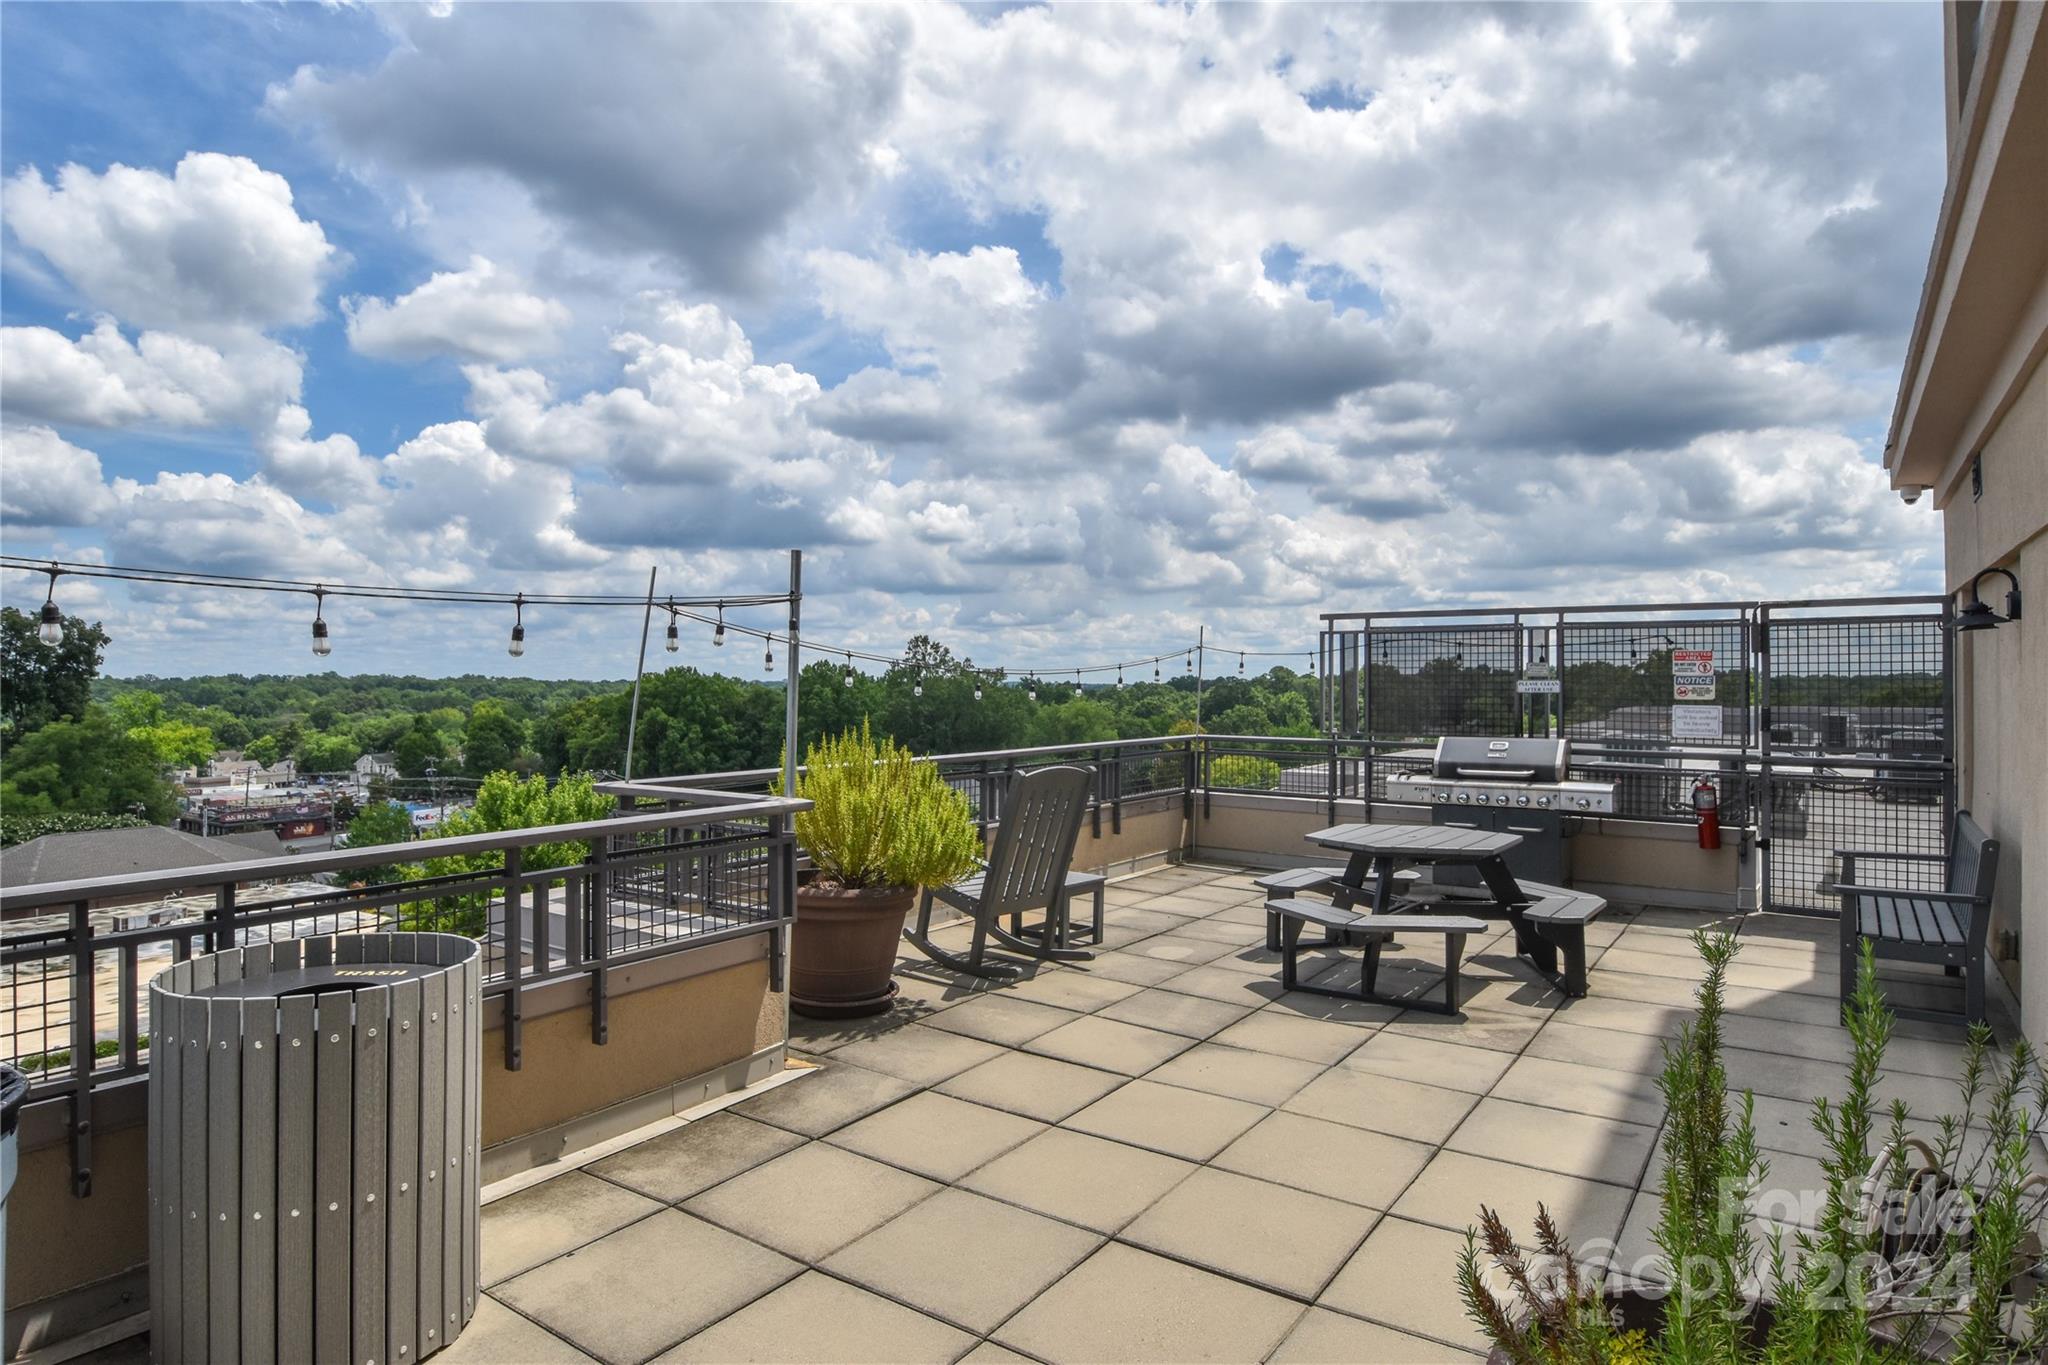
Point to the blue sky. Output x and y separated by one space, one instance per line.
1055 333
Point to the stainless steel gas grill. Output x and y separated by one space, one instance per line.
1524 774
1515 786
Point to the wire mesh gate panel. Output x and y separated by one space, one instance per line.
1856 745
1823 725
314 1123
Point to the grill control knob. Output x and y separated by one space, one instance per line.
1521 800
1543 802
1583 803
1465 798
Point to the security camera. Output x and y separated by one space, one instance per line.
1910 494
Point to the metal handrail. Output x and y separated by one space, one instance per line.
20 900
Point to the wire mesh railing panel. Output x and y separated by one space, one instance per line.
1819 809
37 1033
1421 682
1683 682
1874 685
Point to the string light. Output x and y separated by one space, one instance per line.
1031 689
977 687
1240 663
847 678
1077 682
1119 677
917 688
51 628
322 646
718 636
1155 672
518 645
768 660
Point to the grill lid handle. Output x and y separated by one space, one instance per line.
1525 774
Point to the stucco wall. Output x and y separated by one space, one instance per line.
659 1037
2002 682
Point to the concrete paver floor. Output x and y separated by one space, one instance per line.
1159 1155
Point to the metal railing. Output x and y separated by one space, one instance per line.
551 903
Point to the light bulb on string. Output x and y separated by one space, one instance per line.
517 645
1240 663
50 630
768 660
1155 670
1031 688
322 646
718 636
977 687
847 677
674 640
1077 682
1119 677
917 688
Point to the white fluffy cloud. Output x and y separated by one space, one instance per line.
49 482
478 313
1061 327
216 244
103 379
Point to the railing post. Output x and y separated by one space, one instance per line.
1330 777
597 916
83 1042
220 929
514 947
781 894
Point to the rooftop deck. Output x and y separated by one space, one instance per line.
1158 1155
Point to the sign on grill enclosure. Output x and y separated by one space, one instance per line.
313 1119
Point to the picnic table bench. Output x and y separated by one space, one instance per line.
1371 932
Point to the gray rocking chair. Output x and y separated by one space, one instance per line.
1027 871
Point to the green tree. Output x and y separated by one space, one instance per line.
41 683
91 766
419 749
505 802
263 749
380 822
330 753
491 740
176 743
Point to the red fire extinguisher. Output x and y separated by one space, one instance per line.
1706 809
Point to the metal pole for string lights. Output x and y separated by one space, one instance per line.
796 599
633 715
1201 662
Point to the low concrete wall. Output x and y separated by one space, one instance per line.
1629 861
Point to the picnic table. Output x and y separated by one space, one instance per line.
1377 850
1547 919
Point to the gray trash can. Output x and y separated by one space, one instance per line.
13 1090
314 1134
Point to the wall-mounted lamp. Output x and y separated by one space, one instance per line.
1976 616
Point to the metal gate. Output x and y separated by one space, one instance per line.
1825 724
1856 748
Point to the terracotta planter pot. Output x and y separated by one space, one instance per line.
843 954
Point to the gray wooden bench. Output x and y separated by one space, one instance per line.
1348 928
1947 927
1294 880
1554 920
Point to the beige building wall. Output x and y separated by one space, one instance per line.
1971 429
2002 684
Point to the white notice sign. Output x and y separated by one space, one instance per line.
1539 687
1696 722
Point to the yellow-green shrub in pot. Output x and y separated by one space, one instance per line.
881 825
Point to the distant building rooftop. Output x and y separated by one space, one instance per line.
114 852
